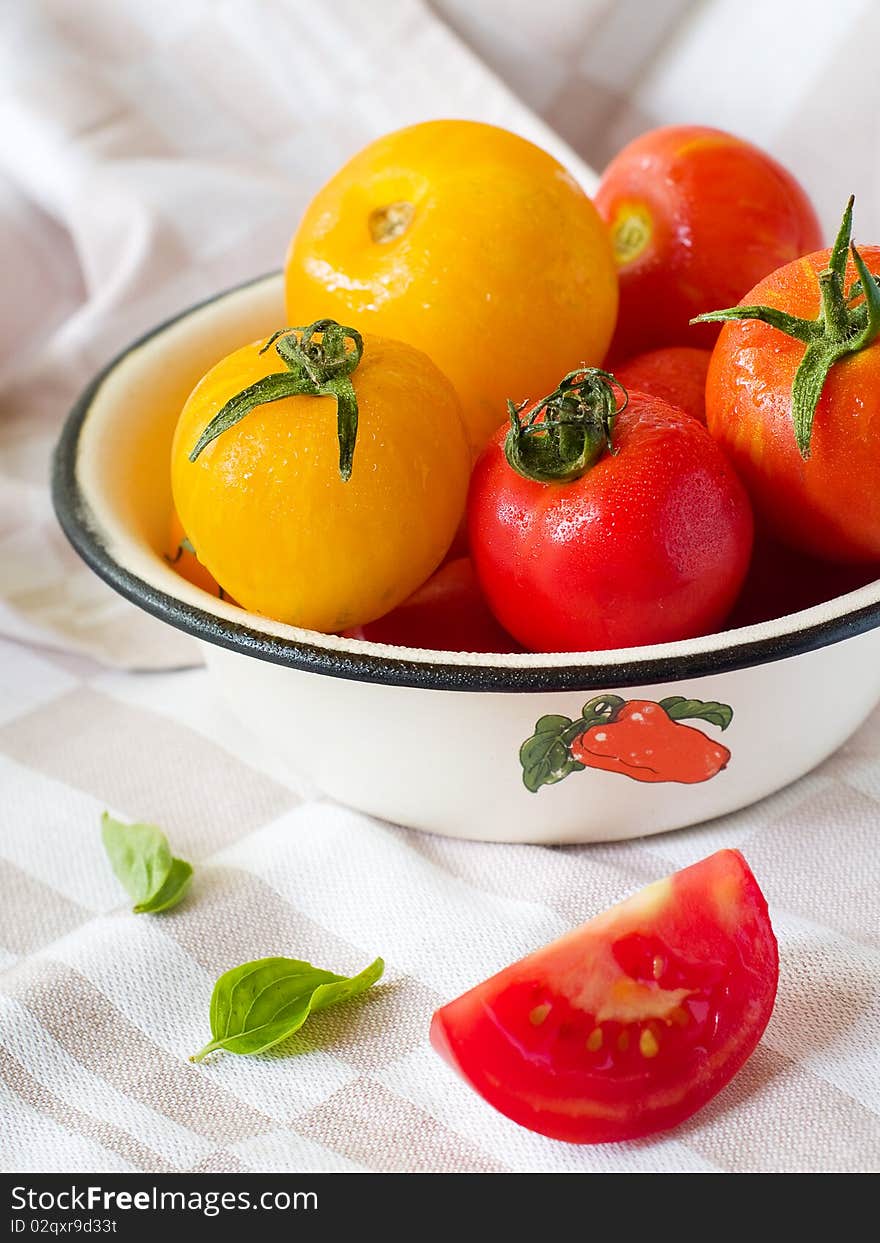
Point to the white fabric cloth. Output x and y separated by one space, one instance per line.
149 155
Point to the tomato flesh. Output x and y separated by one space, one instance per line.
630 1023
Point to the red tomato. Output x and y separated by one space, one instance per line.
697 216
447 613
812 467
630 1023
677 374
781 581
649 544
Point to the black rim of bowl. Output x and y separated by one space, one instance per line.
77 522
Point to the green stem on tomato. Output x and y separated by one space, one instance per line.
314 368
567 431
839 329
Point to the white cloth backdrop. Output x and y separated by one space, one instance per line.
151 153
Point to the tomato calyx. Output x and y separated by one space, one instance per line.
315 368
566 432
847 323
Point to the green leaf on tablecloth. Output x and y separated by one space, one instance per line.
260 1003
176 884
142 860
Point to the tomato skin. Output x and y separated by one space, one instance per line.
270 515
186 563
498 265
677 374
650 545
829 505
691 960
447 613
781 581
697 217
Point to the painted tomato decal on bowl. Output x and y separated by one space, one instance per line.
639 738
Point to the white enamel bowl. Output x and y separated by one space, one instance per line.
432 740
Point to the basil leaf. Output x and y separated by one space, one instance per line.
260 1003
678 708
545 757
174 889
141 858
139 855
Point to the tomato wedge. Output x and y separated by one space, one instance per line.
630 1023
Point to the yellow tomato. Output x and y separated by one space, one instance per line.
471 244
266 501
182 556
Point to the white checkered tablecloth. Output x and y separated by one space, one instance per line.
150 155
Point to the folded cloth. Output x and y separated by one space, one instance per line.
147 164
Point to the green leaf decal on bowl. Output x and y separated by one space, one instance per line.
680 709
545 757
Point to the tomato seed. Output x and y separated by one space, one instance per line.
648 1045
